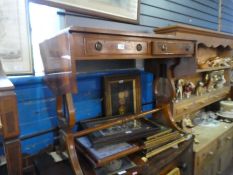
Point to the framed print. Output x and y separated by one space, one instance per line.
130 130
121 10
122 95
15 46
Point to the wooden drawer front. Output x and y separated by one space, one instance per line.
208 154
172 47
96 46
183 108
226 141
199 103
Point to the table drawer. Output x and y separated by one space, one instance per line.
108 46
183 108
162 47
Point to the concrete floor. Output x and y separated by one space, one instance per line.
63 168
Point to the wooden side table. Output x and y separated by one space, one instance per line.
61 53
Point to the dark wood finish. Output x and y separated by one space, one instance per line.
76 43
101 162
160 164
96 45
9 125
161 47
61 52
119 121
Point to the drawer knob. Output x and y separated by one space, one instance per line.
211 153
187 48
98 46
164 47
139 47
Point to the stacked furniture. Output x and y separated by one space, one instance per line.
60 55
9 125
214 54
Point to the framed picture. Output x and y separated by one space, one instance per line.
121 10
15 46
122 95
130 130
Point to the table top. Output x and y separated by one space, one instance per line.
206 134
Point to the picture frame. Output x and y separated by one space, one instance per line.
131 130
122 95
15 40
119 10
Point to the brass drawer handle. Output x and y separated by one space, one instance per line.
164 47
98 46
139 47
211 153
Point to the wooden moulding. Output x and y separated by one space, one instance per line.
209 43
208 37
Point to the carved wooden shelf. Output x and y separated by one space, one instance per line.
214 152
212 69
195 103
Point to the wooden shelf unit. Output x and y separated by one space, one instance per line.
195 103
212 69
209 44
215 150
